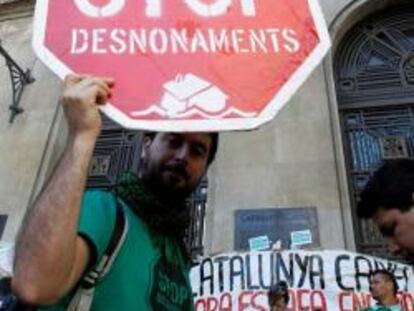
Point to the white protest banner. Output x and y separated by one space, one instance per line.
6 258
318 280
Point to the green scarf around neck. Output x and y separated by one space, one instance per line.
164 220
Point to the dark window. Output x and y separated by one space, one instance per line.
277 224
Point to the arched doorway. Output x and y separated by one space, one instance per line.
374 75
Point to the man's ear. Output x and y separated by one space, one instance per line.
146 143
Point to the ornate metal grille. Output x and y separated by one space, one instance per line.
375 88
195 234
19 79
118 150
373 135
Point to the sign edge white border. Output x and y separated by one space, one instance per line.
276 104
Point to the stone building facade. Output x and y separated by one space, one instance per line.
350 114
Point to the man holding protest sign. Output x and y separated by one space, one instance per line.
388 198
384 288
67 230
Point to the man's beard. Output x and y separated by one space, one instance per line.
170 218
165 190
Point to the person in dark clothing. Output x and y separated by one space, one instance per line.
388 198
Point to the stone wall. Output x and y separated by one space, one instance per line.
295 160
25 141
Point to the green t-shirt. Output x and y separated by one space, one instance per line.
140 278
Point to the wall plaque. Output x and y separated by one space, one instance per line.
276 223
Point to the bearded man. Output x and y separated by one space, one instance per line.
66 231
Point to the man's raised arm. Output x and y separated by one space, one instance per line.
50 257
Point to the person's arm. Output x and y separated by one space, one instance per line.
50 256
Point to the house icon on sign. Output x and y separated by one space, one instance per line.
189 91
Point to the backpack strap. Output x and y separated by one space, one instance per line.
82 299
111 251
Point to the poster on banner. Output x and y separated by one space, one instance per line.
189 65
259 243
302 237
318 280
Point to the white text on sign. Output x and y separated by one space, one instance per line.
160 41
154 7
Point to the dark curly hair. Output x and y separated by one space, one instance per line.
277 291
391 186
213 149
389 276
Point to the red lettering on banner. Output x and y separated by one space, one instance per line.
349 301
226 302
292 300
318 301
255 303
200 304
364 301
341 302
407 301
212 304
301 294
300 300
242 304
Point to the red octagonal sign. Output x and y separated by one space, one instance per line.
186 65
